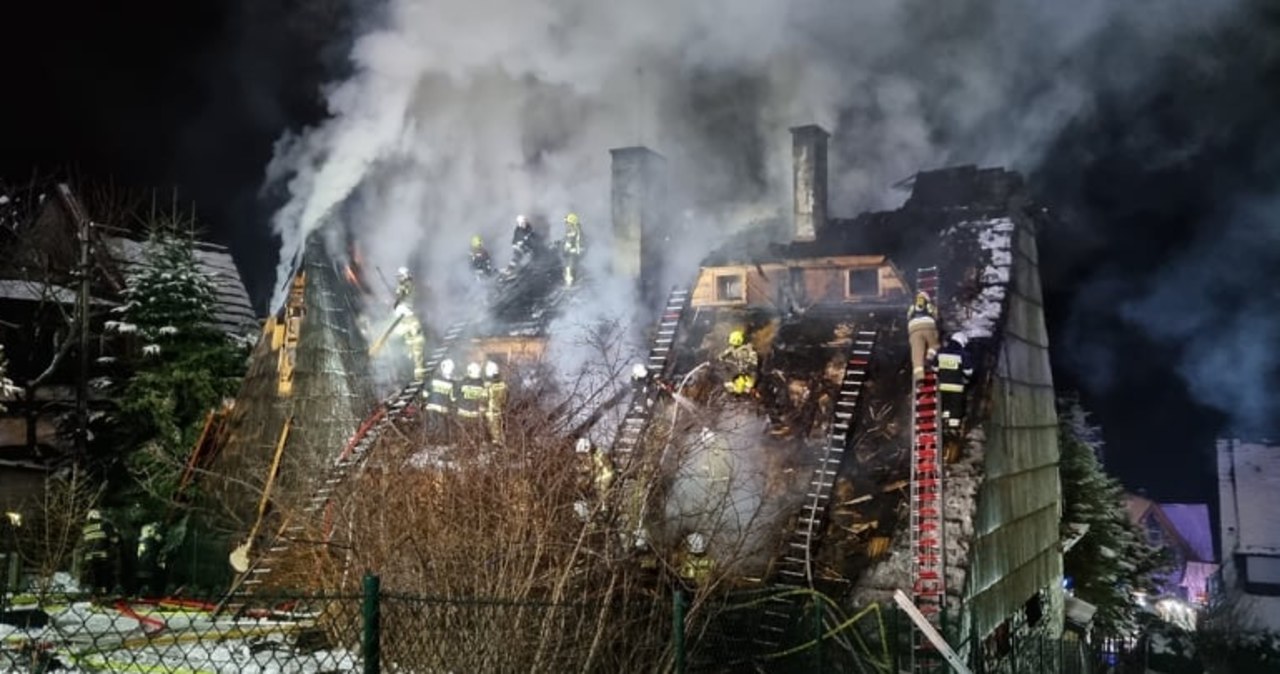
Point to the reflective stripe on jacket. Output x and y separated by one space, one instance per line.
441 395
471 398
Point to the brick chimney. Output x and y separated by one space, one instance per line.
641 228
809 168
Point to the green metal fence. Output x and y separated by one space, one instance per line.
380 630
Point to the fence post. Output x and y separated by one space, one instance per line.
677 628
371 619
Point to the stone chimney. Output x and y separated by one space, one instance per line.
809 168
640 223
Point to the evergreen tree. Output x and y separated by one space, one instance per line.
1113 560
182 364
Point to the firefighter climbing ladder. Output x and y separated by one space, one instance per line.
353 454
795 569
928 560
639 411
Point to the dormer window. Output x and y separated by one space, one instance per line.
862 283
731 288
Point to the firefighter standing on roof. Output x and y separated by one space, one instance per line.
481 262
472 398
524 242
407 326
496 404
922 333
954 372
442 395
742 361
572 247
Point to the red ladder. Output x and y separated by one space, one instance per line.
928 578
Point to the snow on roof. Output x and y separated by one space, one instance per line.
995 237
234 313
31 291
1191 521
1255 469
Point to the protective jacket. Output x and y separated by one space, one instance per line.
696 569
496 394
742 359
954 369
573 239
922 317
441 395
481 263
472 398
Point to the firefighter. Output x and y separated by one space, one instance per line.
954 371
922 333
97 544
407 325
695 565
572 247
481 262
742 361
10 561
472 398
442 395
595 468
524 242
643 553
495 404
151 564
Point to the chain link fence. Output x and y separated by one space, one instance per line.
375 631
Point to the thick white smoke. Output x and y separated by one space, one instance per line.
460 114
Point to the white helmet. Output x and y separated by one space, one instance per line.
639 371
473 370
697 543
960 339
491 369
522 221
582 510
402 273
446 368
93 514
640 539
582 446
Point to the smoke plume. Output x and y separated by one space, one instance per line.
459 115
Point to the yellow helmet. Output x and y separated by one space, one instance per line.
571 219
477 242
736 338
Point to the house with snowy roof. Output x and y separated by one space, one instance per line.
1248 587
1184 530
39 293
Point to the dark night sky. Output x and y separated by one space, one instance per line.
193 94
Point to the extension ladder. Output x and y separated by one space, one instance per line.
636 419
928 559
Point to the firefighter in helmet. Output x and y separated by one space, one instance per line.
954 371
98 541
922 333
442 395
525 242
742 362
495 404
472 399
407 325
481 261
695 565
572 247
150 560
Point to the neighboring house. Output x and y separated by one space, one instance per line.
1249 498
39 296
1184 530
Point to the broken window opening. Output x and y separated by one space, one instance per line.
864 282
731 288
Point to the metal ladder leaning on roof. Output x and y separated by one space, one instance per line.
795 569
636 419
352 457
928 558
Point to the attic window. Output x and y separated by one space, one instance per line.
863 282
731 288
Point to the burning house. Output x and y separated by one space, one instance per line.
857 488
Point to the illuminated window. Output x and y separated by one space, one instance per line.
731 288
863 282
